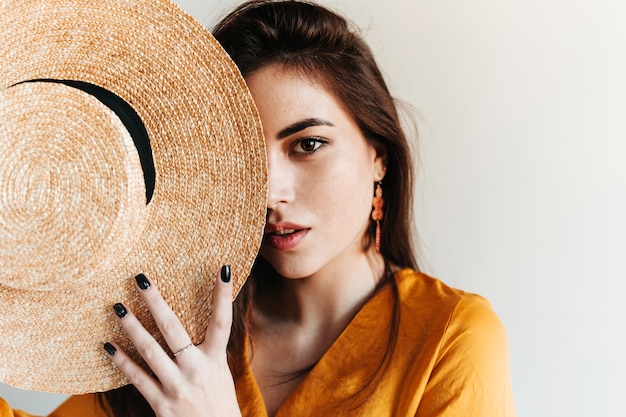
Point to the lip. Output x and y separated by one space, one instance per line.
287 241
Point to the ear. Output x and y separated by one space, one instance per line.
380 162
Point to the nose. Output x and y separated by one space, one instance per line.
281 181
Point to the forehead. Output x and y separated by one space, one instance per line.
285 93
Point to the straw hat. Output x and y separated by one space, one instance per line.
129 144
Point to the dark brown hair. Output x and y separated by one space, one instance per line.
319 44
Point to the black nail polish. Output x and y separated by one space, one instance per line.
225 273
110 348
142 282
120 310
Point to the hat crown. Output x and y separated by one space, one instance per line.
73 189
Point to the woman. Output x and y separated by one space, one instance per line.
335 319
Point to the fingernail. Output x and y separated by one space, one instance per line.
110 348
142 282
120 310
225 273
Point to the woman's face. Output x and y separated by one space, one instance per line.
321 175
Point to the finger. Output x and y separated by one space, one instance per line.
218 331
166 320
147 346
145 383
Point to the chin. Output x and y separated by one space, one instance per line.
294 269
296 272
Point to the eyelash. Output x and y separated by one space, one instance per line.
318 144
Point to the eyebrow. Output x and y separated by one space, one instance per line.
301 125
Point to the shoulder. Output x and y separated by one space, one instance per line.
87 405
465 342
420 291
455 312
7 411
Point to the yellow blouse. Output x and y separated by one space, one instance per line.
450 359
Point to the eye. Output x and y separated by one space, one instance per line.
307 145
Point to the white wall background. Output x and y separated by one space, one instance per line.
522 196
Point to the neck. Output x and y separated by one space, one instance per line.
330 297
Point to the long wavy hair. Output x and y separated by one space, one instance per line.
321 45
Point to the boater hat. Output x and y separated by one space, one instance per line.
129 144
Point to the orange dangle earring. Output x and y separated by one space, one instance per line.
377 211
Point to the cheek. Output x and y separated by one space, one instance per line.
344 199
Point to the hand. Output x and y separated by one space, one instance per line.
197 381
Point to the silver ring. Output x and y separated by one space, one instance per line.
180 352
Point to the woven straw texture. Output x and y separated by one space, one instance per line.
75 223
